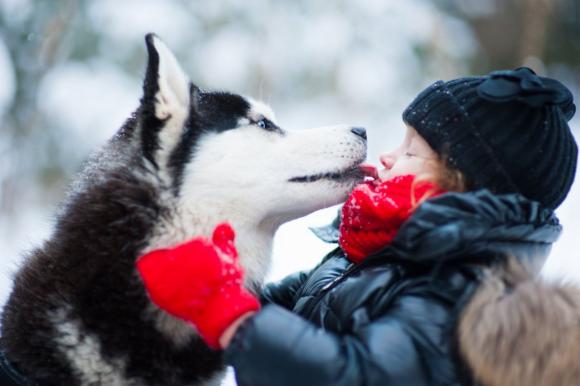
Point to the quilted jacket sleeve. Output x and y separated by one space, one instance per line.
408 344
283 292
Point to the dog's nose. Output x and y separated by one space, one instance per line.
360 131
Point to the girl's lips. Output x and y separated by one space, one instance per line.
369 171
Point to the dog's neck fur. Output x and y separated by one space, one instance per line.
254 234
253 242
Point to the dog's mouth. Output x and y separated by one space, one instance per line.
359 171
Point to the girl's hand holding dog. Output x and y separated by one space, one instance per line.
200 281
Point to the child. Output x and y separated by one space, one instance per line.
484 163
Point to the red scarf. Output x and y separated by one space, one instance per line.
372 214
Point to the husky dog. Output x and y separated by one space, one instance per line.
185 161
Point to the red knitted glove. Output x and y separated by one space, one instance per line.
199 281
373 214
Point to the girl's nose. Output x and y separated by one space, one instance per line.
387 160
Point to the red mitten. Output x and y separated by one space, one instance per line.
199 281
373 213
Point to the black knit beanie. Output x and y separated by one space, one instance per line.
506 131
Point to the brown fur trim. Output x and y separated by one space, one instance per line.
520 330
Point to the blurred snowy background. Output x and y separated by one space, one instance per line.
70 73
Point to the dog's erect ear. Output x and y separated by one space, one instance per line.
166 85
165 105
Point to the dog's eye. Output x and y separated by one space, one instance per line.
266 124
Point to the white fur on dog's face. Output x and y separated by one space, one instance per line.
263 174
252 169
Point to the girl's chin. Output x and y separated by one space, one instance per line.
382 177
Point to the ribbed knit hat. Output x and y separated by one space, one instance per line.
506 131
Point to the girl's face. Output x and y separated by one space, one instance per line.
413 156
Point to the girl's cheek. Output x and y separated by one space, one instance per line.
413 166
404 166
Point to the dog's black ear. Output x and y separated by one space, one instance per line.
165 106
165 81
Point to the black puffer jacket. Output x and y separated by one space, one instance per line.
391 319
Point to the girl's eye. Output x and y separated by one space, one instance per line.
408 154
262 123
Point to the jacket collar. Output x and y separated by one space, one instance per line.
470 225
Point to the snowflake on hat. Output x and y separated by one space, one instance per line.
373 213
